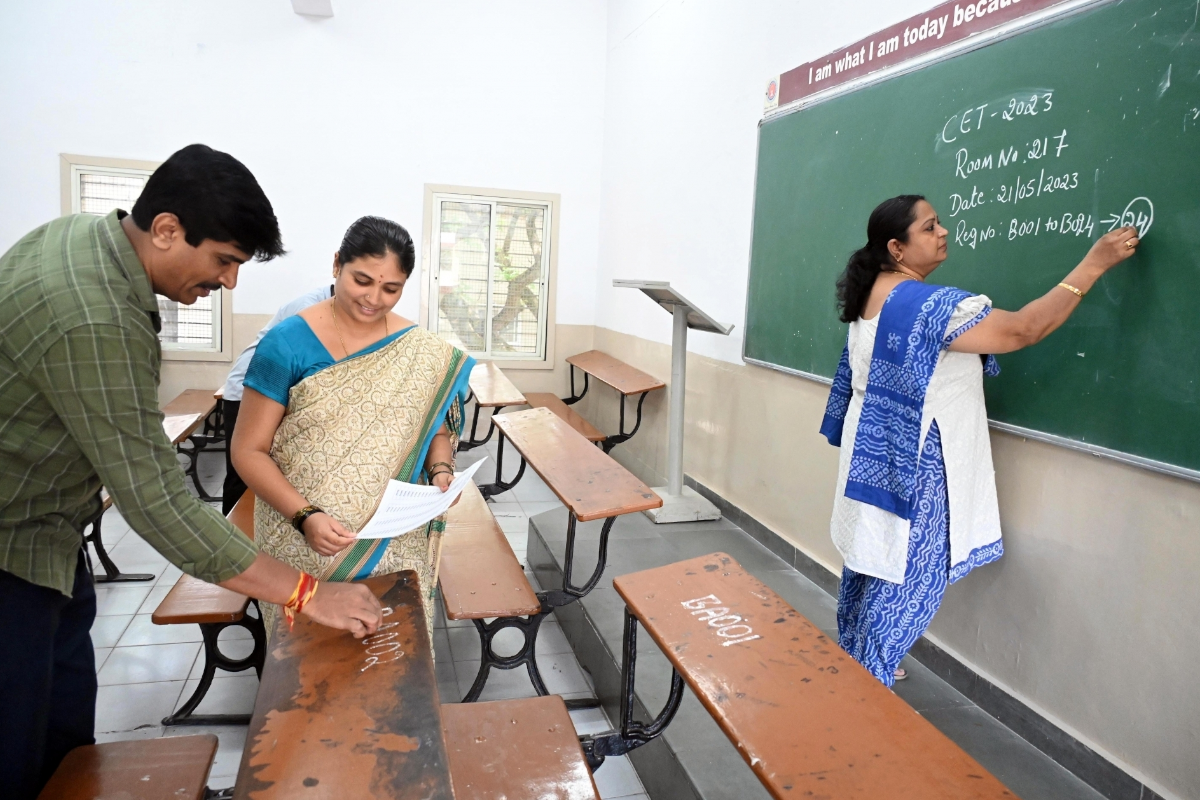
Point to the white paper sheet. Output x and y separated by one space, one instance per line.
406 506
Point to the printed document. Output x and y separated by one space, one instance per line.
406 506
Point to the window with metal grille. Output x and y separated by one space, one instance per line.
100 189
491 274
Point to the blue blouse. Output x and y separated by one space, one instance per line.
291 352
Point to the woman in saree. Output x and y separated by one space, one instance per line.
340 399
915 507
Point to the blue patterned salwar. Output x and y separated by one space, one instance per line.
879 621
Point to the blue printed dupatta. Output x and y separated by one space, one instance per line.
911 336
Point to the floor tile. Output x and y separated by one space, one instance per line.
590 721
142 631
531 490
226 695
169 575
509 508
156 596
236 649
925 691
150 731
1019 765
617 778
121 598
133 705
534 507
106 631
149 663
231 743
101 654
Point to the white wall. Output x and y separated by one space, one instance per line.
336 117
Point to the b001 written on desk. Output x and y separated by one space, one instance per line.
1034 163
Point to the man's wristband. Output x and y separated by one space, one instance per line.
303 514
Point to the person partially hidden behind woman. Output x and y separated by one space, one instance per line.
916 505
340 399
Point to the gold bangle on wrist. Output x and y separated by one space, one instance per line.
1071 289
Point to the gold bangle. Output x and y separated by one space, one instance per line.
1071 288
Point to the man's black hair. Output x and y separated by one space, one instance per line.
215 197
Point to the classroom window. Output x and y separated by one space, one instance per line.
490 258
97 186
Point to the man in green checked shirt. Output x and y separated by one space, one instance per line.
79 373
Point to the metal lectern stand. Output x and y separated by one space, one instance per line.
680 503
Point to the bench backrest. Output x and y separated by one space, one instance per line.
808 719
617 374
142 769
588 482
492 387
479 574
359 717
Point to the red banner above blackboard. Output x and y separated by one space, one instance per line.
941 26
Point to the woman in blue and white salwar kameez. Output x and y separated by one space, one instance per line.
916 506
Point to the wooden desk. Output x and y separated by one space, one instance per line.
343 717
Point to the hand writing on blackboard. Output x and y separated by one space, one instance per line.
1112 248
1139 214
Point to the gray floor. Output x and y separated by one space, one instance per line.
145 671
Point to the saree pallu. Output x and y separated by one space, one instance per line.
348 430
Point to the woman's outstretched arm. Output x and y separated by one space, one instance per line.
1006 331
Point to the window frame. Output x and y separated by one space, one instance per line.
430 262
70 165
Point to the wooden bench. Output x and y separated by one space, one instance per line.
214 608
805 716
566 414
515 749
354 717
490 388
480 579
175 767
590 484
620 376
181 417
343 717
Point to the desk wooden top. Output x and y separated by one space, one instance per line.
617 374
516 749
492 387
191 401
141 769
566 414
343 717
588 482
809 720
479 573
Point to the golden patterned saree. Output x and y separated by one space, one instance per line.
348 430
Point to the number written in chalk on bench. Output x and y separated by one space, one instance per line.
728 626
383 646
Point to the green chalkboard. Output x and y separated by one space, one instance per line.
1068 126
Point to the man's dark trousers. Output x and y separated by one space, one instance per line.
234 486
47 679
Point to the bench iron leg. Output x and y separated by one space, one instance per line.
499 486
214 659
530 626
633 734
575 398
112 573
193 453
612 441
473 442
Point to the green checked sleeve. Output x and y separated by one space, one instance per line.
101 382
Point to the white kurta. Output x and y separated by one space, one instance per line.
875 542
